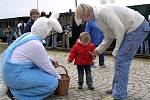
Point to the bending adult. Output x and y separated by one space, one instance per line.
128 27
27 69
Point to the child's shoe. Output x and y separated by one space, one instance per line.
80 87
102 66
90 87
109 91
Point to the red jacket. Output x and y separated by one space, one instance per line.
81 54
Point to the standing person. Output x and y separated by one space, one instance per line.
76 30
54 33
144 48
8 32
34 15
20 28
67 34
54 39
32 74
128 27
81 52
96 38
48 39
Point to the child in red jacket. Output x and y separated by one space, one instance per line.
81 52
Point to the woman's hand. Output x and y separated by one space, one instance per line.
114 53
55 63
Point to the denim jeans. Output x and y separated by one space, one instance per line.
87 69
144 48
54 40
125 54
101 58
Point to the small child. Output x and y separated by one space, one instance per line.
81 52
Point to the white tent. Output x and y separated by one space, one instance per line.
17 8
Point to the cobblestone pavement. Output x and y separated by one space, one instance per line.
139 80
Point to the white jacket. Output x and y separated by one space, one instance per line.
116 21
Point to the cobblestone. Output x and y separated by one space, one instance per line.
138 87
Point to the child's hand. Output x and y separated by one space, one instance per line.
68 61
93 56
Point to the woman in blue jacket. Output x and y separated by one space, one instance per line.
96 38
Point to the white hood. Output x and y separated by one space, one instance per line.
43 26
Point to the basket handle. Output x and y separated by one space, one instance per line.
64 69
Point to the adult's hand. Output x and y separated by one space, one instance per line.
94 53
55 63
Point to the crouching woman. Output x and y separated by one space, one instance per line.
27 70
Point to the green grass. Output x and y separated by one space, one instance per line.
3 46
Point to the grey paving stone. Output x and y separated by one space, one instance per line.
138 87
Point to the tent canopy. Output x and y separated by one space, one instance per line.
17 8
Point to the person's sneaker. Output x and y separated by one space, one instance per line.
109 92
109 98
80 87
102 66
91 88
112 98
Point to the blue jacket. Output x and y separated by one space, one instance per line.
28 26
95 33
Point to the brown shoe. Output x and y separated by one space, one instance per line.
80 87
109 92
102 66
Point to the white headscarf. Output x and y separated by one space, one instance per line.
43 25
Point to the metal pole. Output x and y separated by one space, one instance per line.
37 4
76 3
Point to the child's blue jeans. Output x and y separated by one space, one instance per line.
87 69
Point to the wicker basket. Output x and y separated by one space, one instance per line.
63 86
